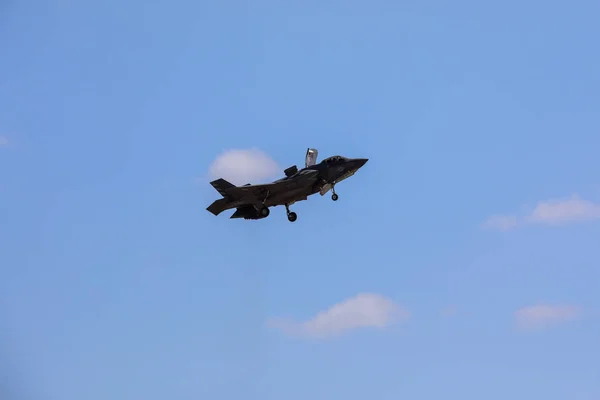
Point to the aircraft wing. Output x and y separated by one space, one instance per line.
302 178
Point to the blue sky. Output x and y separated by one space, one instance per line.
475 223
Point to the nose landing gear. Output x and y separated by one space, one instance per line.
290 214
334 196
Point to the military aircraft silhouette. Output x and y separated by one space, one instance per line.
253 201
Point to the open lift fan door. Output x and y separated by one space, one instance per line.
311 157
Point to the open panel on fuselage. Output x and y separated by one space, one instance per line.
311 157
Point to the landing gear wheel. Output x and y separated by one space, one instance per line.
292 216
334 197
264 212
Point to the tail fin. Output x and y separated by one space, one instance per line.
222 186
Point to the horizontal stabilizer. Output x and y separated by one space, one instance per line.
217 206
222 186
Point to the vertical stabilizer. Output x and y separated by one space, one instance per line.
222 186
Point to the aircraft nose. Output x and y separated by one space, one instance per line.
360 162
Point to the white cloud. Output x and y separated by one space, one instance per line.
362 311
543 316
501 222
243 166
551 212
563 211
3 140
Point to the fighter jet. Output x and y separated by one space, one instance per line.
253 201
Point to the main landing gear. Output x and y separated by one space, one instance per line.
334 196
264 210
290 214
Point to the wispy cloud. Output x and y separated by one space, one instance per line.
543 316
501 222
362 311
3 140
551 212
564 211
241 166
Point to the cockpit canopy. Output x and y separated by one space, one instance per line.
334 159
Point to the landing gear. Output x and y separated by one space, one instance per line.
334 196
264 210
290 214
